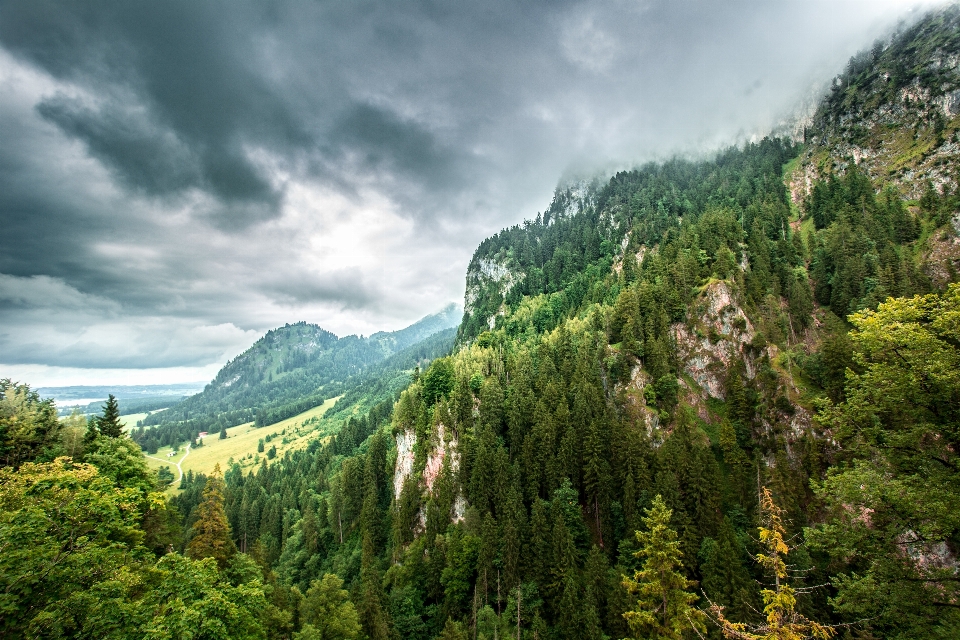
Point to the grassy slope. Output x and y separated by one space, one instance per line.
130 420
242 442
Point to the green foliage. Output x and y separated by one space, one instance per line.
664 606
534 450
898 428
191 599
438 380
726 581
210 537
121 460
859 258
312 365
782 620
65 536
165 476
109 424
327 609
29 429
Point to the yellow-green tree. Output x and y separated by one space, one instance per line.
327 613
664 608
894 505
66 534
211 532
783 621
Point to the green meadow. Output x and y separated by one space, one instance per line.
241 443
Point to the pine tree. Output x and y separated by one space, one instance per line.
664 609
211 532
109 424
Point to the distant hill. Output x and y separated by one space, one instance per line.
289 370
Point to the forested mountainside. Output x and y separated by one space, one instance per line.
894 111
290 370
694 400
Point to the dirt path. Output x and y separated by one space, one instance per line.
186 453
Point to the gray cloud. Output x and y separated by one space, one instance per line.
145 157
349 288
245 164
46 321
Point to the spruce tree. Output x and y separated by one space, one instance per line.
664 608
726 580
211 532
109 424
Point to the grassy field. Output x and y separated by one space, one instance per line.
241 443
130 420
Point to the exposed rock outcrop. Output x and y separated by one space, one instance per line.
715 337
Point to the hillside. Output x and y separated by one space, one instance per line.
705 398
894 111
681 330
245 445
289 370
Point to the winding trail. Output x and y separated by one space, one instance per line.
186 453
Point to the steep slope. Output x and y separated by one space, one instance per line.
671 331
895 110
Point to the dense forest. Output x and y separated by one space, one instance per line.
683 402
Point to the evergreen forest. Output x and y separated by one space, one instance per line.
689 400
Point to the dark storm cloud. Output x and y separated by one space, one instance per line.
234 161
177 98
385 143
145 157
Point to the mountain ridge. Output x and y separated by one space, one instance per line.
287 371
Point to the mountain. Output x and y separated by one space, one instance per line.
287 371
894 111
703 398
779 316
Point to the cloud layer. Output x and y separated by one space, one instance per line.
177 177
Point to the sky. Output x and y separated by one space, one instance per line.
178 177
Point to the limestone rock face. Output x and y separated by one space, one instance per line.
719 336
444 450
894 112
404 465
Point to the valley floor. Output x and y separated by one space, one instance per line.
241 444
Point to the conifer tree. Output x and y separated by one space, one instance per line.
109 424
211 532
664 608
783 621
374 618
454 630
726 580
